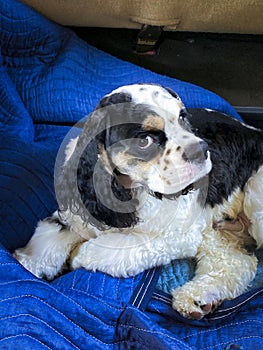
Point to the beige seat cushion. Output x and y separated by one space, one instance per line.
218 16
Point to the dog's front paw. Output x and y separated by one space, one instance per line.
36 265
194 300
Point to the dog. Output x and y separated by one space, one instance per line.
148 181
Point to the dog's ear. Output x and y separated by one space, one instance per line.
171 92
88 184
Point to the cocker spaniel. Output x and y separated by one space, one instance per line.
148 181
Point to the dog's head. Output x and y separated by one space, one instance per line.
138 136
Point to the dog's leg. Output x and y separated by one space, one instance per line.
47 251
224 271
124 255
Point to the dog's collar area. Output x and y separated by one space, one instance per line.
188 189
184 192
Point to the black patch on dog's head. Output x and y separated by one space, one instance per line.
171 92
86 187
113 99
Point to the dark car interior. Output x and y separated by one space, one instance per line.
217 46
227 64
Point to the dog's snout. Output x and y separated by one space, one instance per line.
196 152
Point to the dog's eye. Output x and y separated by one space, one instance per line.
145 142
184 121
183 116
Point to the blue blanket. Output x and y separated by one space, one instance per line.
49 80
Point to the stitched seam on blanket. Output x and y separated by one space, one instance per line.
24 335
80 291
231 309
70 321
241 303
223 316
157 310
57 310
73 280
146 290
88 286
117 288
221 327
13 263
42 321
102 286
139 291
166 301
59 292
232 340
155 294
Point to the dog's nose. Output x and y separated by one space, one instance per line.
196 152
204 147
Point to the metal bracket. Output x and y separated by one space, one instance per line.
148 39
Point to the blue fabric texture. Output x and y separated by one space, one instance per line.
50 79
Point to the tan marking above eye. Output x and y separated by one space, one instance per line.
153 122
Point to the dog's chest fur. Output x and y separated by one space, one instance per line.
169 216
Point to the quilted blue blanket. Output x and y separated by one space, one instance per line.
49 80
